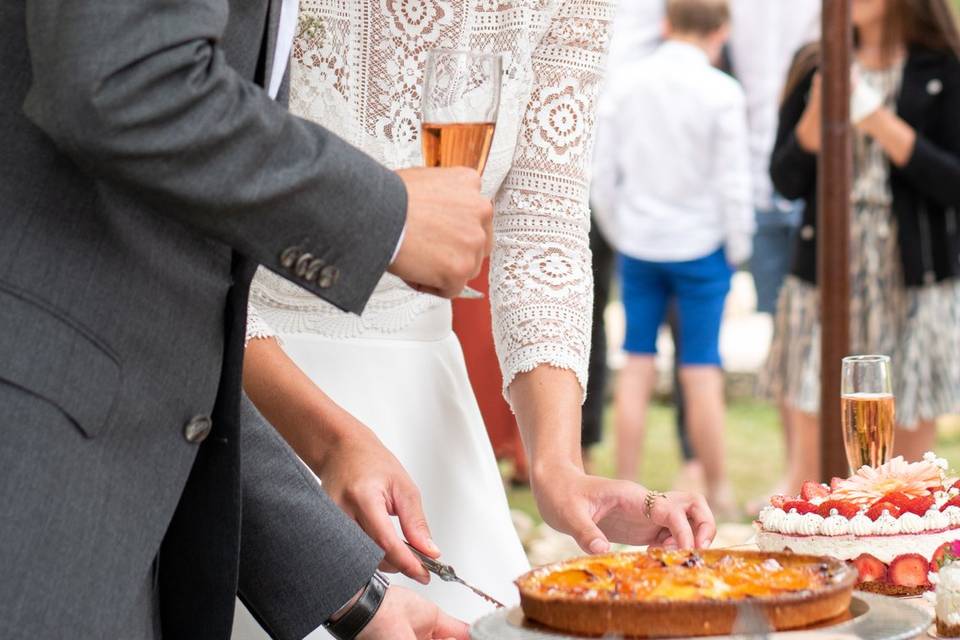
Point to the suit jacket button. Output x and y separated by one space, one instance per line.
197 430
328 277
313 270
289 256
807 232
302 264
935 87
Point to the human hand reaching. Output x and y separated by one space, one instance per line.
808 130
369 484
597 511
403 615
449 230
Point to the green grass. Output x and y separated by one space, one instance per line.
754 451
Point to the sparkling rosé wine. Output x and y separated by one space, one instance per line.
868 421
460 144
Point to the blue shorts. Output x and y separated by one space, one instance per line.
699 288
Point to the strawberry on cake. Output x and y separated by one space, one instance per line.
890 522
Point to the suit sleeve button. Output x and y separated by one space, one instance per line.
302 264
197 430
289 257
313 270
328 277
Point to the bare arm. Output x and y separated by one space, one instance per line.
357 471
594 510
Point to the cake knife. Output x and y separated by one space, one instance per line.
446 573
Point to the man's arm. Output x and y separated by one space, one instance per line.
139 94
301 558
303 562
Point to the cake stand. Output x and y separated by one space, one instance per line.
873 617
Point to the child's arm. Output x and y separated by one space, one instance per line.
733 181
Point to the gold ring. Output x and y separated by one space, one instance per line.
648 501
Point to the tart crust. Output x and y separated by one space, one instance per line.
663 617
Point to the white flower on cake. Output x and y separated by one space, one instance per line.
869 484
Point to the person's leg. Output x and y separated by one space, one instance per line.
913 443
772 243
592 415
644 300
635 383
690 477
701 288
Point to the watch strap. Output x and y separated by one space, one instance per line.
354 621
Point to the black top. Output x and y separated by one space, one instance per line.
926 191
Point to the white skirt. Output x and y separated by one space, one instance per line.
411 388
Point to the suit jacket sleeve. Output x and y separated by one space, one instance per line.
934 165
793 169
139 94
301 558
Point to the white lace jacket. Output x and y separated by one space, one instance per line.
357 69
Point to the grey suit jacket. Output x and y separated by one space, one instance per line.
143 174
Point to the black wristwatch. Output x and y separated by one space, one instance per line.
349 625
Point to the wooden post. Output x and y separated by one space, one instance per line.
835 179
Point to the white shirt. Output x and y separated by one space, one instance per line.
289 11
765 36
672 170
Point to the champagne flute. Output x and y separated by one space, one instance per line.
461 97
868 410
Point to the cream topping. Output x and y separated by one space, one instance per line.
911 523
861 525
948 594
935 520
953 515
835 525
810 524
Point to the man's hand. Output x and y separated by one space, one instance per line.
403 615
370 485
597 511
449 230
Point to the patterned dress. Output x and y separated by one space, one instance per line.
918 327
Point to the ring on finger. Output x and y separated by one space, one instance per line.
648 501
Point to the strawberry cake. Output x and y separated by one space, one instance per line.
892 522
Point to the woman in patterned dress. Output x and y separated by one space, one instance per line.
904 240
398 369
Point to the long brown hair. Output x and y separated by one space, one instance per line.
931 24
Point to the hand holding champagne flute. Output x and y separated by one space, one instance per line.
461 98
868 410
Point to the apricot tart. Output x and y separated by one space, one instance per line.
684 593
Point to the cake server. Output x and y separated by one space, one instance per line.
446 573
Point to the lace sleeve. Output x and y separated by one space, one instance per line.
541 281
257 325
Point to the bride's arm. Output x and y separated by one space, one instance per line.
542 290
358 473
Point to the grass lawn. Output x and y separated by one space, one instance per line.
754 451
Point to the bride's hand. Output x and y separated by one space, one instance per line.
597 511
370 485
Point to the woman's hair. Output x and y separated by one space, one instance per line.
931 24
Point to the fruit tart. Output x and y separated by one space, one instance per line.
684 593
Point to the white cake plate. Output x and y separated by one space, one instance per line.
873 617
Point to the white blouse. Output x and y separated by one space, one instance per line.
357 69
